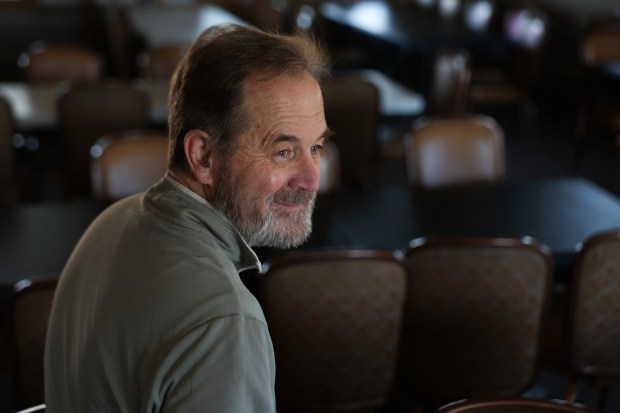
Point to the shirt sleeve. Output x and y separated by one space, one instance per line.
225 365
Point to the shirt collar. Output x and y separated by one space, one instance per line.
169 195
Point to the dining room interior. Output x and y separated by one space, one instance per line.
544 74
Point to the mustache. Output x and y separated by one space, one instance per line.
294 196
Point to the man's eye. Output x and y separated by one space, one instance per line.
283 153
316 148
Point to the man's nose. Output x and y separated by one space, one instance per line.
307 174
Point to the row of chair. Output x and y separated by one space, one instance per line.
352 111
458 87
443 319
55 62
88 112
500 405
439 151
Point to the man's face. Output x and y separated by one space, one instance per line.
268 187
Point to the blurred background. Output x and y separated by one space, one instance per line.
521 61
79 75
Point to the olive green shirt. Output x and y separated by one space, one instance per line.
150 314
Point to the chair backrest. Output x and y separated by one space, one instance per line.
330 168
127 162
455 150
474 317
451 76
88 112
526 25
594 311
601 45
60 62
335 321
29 308
7 152
159 63
516 405
352 112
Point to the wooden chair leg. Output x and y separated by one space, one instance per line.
571 389
580 137
603 397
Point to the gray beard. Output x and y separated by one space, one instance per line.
262 227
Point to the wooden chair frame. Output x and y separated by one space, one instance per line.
21 290
516 405
339 394
516 378
601 376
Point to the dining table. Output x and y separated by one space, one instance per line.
413 30
561 212
34 105
160 26
37 239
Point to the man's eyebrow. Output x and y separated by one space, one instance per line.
327 133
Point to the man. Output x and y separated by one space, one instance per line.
150 314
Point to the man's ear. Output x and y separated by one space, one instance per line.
200 154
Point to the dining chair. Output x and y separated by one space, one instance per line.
88 112
334 317
127 162
330 168
476 309
29 306
451 76
46 62
593 341
510 82
8 178
454 150
159 62
514 405
352 113
599 105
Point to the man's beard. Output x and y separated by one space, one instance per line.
256 220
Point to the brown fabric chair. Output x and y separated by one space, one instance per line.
54 63
9 186
514 406
474 318
330 168
127 162
451 82
352 112
594 315
88 112
29 308
159 63
335 321
455 150
599 102
512 82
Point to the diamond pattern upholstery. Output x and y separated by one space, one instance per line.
474 316
335 320
594 320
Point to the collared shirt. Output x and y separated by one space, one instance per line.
150 314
